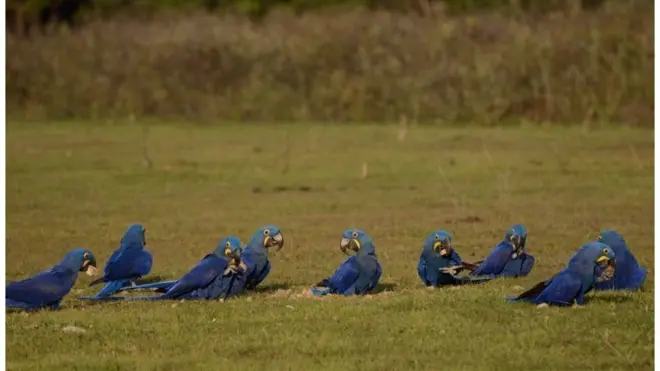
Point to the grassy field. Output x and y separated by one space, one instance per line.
71 186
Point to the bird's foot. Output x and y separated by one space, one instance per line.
543 305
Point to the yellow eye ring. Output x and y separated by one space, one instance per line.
266 232
606 250
355 234
86 255
437 237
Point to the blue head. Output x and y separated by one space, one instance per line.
230 248
517 237
594 260
134 238
440 242
613 239
358 241
267 237
81 260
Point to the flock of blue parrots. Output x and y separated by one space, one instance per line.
605 264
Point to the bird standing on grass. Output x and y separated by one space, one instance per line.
359 274
629 275
439 263
509 258
126 264
46 290
219 275
593 262
255 254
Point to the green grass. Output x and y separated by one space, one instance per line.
71 185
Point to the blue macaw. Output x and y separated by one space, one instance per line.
218 276
592 263
126 264
629 275
359 274
255 254
45 290
439 262
509 258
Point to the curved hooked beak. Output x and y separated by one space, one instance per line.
89 267
349 244
443 251
275 240
608 267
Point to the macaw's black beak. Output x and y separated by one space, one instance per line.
349 244
275 240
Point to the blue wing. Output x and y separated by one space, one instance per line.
258 267
495 261
113 287
344 277
131 263
561 290
42 289
422 271
519 267
198 277
369 272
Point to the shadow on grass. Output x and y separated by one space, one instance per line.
384 287
270 288
608 298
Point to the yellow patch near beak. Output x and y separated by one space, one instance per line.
91 270
602 259
437 245
266 240
357 244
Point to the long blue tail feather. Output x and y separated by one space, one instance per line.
112 287
164 285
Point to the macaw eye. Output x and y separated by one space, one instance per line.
437 237
606 250
266 232
355 235
86 255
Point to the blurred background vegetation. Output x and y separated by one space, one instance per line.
484 62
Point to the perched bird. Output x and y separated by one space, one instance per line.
629 275
509 258
126 264
45 290
359 274
212 278
592 263
439 263
255 254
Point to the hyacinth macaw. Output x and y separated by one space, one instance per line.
45 290
255 254
592 263
359 274
439 262
126 264
218 276
629 275
509 258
